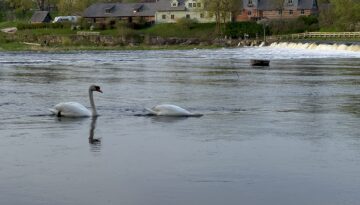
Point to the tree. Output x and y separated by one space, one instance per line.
71 7
341 15
20 7
222 10
40 4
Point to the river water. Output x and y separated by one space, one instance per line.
284 134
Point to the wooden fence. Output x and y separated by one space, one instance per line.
352 35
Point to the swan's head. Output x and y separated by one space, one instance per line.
95 88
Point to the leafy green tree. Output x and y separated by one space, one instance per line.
71 7
222 10
341 15
20 8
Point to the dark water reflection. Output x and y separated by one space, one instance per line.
287 134
95 142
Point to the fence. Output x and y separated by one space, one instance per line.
353 35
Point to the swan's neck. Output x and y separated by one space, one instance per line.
93 108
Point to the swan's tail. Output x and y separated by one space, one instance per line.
151 111
54 111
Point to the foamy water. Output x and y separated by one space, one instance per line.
317 46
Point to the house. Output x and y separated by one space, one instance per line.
41 17
160 11
169 11
275 9
129 12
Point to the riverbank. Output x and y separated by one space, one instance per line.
75 41
11 42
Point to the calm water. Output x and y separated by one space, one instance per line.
288 134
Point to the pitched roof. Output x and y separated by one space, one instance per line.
275 4
120 9
40 16
307 4
165 5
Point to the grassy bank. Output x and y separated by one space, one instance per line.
61 37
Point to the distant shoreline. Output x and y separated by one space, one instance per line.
165 44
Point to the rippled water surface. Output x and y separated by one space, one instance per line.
286 134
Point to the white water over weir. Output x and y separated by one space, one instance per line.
317 46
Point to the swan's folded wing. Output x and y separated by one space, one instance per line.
72 109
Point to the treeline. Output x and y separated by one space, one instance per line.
340 15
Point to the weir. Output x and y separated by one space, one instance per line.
317 46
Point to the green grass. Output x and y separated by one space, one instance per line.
6 24
201 31
48 31
14 46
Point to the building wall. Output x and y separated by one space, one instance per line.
196 15
254 14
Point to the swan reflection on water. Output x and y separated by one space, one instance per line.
95 143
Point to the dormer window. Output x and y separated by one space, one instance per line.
250 3
109 9
174 4
290 2
137 8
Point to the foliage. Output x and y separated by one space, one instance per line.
341 15
24 26
67 7
186 23
299 25
124 30
201 31
222 10
239 29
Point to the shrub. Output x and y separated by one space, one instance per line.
186 23
23 26
238 29
299 25
124 30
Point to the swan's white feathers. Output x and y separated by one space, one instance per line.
170 110
71 109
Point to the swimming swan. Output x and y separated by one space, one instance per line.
74 109
171 110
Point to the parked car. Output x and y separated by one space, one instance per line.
72 19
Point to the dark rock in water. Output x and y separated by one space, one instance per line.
257 62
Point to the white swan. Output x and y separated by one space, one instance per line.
74 109
171 110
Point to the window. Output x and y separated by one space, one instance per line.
302 11
280 12
163 16
250 2
172 16
249 13
290 1
198 4
187 16
202 15
190 5
174 3
109 10
291 12
194 4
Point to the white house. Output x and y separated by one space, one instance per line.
169 11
